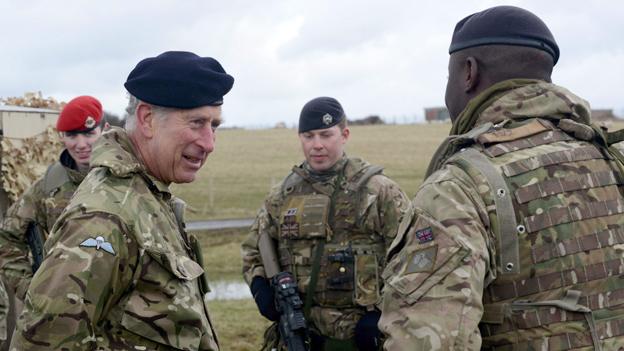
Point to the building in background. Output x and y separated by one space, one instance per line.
437 114
28 145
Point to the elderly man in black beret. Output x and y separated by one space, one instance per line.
514 239
331 219
121 273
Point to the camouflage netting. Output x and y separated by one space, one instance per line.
25 160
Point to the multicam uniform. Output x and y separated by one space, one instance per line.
515 241
352 224
41 204
121 272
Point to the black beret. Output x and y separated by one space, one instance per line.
320 113
504 25
179 79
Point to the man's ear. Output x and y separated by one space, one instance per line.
345 134
471 74
145 119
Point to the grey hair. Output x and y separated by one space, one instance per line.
133 103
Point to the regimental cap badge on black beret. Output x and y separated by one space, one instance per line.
320 113
179 79
504 25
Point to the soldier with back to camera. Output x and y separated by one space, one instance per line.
515 237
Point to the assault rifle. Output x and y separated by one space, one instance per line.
35 242
292 324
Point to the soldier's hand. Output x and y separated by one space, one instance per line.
265 298
367 334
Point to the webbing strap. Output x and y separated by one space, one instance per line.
615 137
452 144
505 215
569 302
369 172
555 186
560 215
556 280
543 138
588 242
589 152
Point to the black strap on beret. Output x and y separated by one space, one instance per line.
504 25
320 113
179 79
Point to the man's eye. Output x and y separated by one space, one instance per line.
197 123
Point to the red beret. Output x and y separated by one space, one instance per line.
80 114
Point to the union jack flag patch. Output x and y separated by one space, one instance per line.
424 235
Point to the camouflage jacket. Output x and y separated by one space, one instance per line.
514 242
41 204
359 223
120 272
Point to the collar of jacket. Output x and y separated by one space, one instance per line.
325 175
508 100
521 99
114 150
71 168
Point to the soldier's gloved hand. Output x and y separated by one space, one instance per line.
265 298
367 335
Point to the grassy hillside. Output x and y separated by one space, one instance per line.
246 163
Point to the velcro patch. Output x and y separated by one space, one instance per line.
501 135
424 235
422 260
290 229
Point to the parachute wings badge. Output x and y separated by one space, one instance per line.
99 243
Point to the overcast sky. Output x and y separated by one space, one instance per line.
376 57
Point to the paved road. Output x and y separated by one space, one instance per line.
222 224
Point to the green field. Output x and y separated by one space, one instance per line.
239 174
237 177
246 163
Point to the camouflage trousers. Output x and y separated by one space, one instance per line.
10 309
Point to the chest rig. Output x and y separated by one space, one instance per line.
323 239
555 206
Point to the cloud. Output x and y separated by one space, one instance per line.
387 58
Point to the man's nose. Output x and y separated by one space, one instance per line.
316 143
207 140
81 141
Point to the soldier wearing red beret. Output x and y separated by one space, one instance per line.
28 222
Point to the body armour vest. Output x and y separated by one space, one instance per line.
555 208
323 222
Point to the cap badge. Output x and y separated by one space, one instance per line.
89 122
327 119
